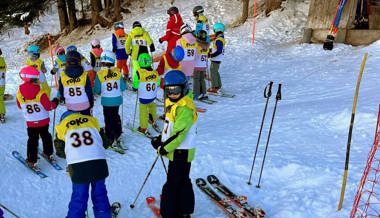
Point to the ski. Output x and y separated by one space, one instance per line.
115 208
53 163
7 209
240 201
18 156
222 94
147 134
152 204
117 149
225 204
207 101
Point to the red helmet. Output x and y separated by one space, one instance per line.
59 50
29 73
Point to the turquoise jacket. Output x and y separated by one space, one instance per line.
109 101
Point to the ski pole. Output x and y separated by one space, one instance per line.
11 212
146 178
164 165
278 98
267 94
134 115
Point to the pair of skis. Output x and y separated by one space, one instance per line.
37 171
222 94
267 94
244 209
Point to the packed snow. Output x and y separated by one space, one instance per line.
305 160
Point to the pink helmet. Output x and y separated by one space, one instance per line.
29 73
59 50
95 42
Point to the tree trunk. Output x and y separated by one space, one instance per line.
62 14
107 6
271 5
244 15
99 4
73 21
117 15
94 12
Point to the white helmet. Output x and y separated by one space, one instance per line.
95 42
185 29
108 56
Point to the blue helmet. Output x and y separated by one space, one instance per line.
178 53
71 48
73 58
67 113
218 27
176 78
33 49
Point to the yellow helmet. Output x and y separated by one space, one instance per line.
203 19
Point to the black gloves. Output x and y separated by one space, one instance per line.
55 101
161 151
52 72
156 142
159 40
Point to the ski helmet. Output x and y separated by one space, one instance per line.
178 53
202 36
118 25
95 43
67 113
73 58
136 24
145 60
108 57
185 28
29 74
175 82
218 27
59 50
71 48
198 10
33 49
172 11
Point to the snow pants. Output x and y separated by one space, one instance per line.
112 122
2 106
199 84
79 198
177 193
147 110
215 76
32 147
122 65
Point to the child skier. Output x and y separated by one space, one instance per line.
95 53
201 21
3 69
138 41
109 83
119 37
74 85
59 62
217 54
35 61
35 104
85 64
178 145
199 84
189 44
87 165
170 61
172 29
148 83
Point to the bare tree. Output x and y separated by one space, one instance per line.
99 5
73 21
94 12
271 5
62 14
117 14
244 14
107 7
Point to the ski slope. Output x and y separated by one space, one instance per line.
305 160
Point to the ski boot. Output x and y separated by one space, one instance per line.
49 158
2 118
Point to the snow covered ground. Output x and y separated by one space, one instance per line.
305 160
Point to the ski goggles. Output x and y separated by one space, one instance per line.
173 90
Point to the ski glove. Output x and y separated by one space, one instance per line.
52 72
55 101
156 142
160 40
161 151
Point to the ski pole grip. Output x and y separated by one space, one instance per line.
268 90
278 95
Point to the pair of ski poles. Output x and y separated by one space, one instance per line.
267 95
147 176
